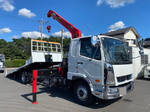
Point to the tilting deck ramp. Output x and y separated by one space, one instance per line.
43 55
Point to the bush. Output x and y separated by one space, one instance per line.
14 62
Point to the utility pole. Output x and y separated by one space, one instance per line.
62 35
42 22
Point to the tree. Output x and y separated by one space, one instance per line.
21 48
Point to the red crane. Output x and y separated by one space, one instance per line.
75 32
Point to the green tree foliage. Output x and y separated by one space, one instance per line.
20 48
66 42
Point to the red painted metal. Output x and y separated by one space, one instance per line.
61 71
48 28
35 103
35 74
75 32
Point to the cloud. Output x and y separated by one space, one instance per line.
15 37
116 26
33 34
6 5
25 12
115 3
58 34
5 30
99 2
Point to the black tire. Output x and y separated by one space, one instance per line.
83 94
1 71
23 78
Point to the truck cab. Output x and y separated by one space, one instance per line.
103 63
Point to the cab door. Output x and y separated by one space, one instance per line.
89 61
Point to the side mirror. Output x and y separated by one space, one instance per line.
141 52
140 43
94 40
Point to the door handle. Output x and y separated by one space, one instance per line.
79 62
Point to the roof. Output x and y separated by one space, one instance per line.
123 31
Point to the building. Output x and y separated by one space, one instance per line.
129 35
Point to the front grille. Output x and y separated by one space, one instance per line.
124 78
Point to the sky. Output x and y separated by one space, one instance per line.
21 18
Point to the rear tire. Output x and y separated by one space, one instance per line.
83 94
24 78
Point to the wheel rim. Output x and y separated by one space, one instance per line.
23 78
82 93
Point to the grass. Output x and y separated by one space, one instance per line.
14 63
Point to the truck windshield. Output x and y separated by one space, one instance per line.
116 51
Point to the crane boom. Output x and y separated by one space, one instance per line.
75 32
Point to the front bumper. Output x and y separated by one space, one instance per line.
113 92
147 74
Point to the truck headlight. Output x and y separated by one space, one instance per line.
109 74
113 90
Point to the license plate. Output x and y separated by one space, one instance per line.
123 91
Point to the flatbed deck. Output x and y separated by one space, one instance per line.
32 66
43 55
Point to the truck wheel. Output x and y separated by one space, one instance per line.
24 78
2 71
83 94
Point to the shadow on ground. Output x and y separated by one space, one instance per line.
142 78
67 94
64 93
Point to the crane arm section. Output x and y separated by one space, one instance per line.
75 32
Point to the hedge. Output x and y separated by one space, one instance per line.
14 62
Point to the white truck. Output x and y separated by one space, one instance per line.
104 70
147 71
140 61
146 60
97 66
2 63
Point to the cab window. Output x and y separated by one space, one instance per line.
88 50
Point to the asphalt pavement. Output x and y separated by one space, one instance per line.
16 97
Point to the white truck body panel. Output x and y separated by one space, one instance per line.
136 59
146 70
92 70
137 65
40 56
39 49
123 70
147 52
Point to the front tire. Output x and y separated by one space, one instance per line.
83 94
